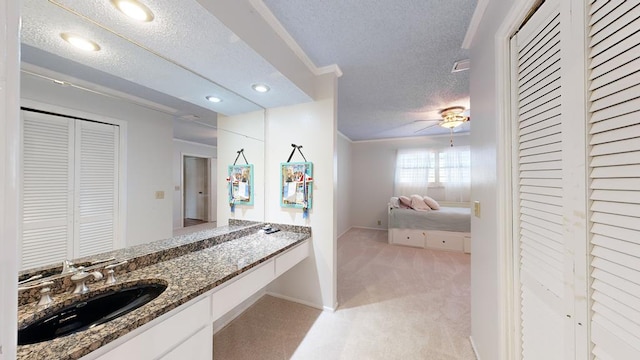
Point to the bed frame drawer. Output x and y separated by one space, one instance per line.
445 240
409 237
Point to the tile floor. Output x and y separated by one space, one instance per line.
395 303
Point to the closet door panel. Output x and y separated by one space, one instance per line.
47 206
539 197
97 191
614 169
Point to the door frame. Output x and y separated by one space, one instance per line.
209 184
121 232
508 292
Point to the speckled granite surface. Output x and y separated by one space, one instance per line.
187 275
143 255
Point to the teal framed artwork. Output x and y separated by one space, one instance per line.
296 185
241 184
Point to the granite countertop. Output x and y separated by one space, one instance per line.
186 276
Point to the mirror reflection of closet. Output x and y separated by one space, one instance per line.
158 128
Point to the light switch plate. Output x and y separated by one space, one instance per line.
476 208
159 195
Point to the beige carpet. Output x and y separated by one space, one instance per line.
395 303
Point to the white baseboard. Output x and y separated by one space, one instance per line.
303 302
368 228
473 346
346 231
237 311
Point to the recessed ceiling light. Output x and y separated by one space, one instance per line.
262 88
214 99
80 42
133 9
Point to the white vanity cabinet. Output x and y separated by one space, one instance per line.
187 332
235 291
187 328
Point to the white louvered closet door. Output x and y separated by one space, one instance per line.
47 221
71 175
614 74
538 181
96 195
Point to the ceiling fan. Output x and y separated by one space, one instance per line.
452 117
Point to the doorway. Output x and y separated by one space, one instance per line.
195 205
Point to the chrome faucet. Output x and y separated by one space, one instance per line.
111 277
67 267
45 291
80 278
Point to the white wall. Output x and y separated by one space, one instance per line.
149 150
344 174
312 125
485 268
245 131
9 176
181 148
373 172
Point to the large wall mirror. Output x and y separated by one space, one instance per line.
150 81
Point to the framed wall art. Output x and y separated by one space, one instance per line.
296 185
241 184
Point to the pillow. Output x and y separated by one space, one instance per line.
431 202
417 203
395 202
405 202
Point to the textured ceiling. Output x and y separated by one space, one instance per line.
176 60
396 57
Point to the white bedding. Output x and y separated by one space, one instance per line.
456 219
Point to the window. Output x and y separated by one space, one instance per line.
443 173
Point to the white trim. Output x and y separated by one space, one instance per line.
473 347
121 242
368 228
507 299
344 232
10 171
455 135
196 143
476 19
209 180
344 136
303 302
277 27
95 88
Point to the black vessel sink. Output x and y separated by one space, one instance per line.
90 312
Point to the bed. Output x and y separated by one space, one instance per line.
445 229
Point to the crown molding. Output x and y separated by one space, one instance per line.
478 13
275 24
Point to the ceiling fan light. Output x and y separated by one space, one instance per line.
451 124
134 9
452 117
80 42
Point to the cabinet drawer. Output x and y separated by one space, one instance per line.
241 289
409 237
165 335
445 241
292 257
197 347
